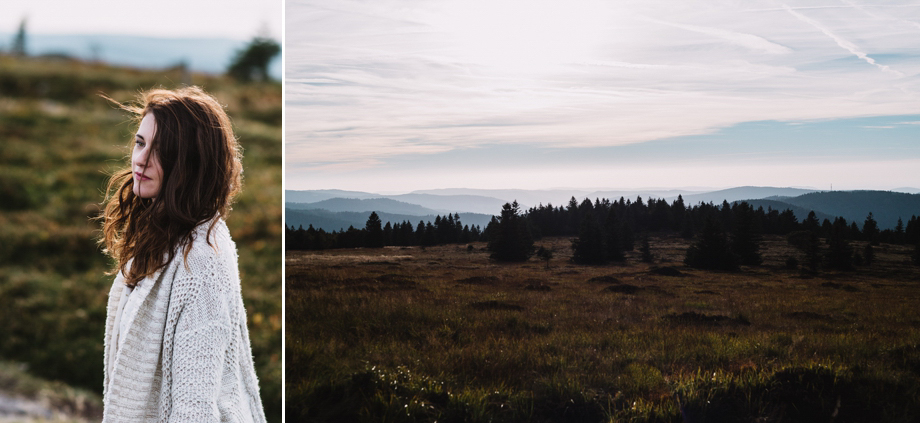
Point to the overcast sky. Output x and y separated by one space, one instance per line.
235 19
396 95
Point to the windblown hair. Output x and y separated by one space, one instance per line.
202 174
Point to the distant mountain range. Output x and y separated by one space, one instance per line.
491 200
743 193
337 221
437 204
337 209
211 55
385 205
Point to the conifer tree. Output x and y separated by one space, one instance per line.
811 223
545 254
711 250
912 231
510 240
787 222
430 235
826 227
465 235
870 230
687 230
745 236
899 232
475 233
725 214
646 251
19 41
374 237
589 247
854 233
840 255
251 63
678 211
388 234
615 239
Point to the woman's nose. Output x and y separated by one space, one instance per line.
140 157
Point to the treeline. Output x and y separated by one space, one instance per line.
725 236
657 215
444 230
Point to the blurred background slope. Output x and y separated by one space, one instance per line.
59 142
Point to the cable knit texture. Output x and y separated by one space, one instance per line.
186 355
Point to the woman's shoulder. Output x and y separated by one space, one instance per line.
211 232
211 247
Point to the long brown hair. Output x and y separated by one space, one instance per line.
202 174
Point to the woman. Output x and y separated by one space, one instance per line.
176 343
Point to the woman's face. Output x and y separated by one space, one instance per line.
148 174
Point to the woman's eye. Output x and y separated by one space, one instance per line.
139 143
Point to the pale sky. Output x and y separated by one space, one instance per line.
234 19
397 95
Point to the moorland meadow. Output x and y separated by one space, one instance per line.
443 333
60 141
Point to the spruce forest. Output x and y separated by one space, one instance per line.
729 234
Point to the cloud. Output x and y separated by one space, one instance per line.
749 41
852 48
371 82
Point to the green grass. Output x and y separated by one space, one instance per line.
60 142
438 334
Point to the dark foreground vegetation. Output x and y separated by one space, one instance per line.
406 334
59 141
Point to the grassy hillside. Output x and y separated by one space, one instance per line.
59 143
443 334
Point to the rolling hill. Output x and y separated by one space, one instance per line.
337 221
885 206
744 193
368 205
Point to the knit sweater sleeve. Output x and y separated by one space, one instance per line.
203 334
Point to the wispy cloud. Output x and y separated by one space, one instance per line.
849 46
745 40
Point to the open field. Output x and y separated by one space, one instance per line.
443 334
58 143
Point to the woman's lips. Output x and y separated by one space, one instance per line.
140 176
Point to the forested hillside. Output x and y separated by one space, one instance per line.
886 206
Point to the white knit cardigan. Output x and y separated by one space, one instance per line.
186 355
